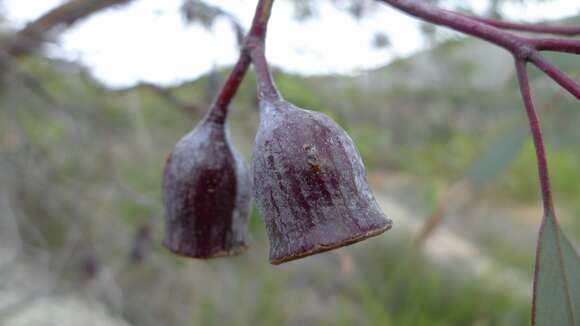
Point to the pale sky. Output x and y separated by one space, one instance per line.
149 41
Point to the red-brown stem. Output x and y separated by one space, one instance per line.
458 22
522 48
530 28
534 121
219 109
261 18
549 212
557 45
266 86
555 73
522 73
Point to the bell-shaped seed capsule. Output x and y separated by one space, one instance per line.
310 184
206 194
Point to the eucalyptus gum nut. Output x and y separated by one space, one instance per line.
206 195
310 184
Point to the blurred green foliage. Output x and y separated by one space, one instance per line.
90 166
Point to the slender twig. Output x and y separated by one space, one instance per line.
556 74
534 121
529 28
557 45
459 22
549 212
219 109
526 49
547 200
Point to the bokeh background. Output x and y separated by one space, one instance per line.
437 118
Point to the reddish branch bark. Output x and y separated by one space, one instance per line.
557 45
529 28
522 48
534 121
31 37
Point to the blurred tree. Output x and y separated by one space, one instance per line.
35 33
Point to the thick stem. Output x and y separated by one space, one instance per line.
266 87
219 109
534 121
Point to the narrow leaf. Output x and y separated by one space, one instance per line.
557 279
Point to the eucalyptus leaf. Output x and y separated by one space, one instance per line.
557 279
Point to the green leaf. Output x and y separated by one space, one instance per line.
557 279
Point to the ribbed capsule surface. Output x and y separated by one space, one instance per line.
310 184
206 195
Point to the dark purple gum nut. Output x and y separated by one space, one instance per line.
310 184
206 194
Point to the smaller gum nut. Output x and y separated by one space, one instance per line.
310 184
206 194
